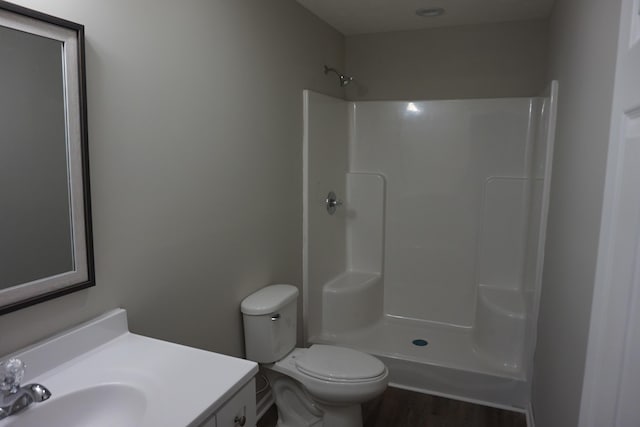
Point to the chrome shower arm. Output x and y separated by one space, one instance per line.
344 80
329 69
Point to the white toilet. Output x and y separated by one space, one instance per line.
320 386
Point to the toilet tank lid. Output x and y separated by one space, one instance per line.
268 299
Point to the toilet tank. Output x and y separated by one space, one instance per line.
270 316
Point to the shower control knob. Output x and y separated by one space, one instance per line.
332 202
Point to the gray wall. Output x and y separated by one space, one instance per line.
479 61
195 134
583 52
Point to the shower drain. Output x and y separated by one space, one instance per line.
420 343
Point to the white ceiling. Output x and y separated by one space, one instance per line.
374 16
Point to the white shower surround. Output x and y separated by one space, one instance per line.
439 239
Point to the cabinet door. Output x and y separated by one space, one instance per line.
240 410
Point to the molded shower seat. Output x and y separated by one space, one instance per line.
352 300
507 302
499 330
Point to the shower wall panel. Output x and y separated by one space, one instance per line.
502 226
540 182
436 158
325 167
365 222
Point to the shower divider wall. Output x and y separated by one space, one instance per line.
434 262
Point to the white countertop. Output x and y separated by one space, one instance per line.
182 386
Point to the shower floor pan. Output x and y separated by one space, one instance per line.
447 366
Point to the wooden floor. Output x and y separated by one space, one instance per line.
402 408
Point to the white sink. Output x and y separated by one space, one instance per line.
105 405
101 375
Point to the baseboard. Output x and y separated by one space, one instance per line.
530 420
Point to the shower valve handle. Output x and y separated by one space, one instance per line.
332 202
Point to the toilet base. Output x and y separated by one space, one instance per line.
296 408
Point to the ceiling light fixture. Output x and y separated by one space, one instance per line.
430 12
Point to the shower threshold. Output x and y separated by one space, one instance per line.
448 365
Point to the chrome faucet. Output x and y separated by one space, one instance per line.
14 398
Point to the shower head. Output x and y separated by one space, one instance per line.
344 80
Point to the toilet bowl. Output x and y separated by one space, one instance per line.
317 386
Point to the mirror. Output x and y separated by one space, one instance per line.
45 220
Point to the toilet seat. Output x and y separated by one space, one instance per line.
331 363
337 390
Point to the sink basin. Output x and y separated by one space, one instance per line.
105 405
102 375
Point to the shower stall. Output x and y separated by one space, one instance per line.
433 260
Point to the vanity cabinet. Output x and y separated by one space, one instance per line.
238 411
